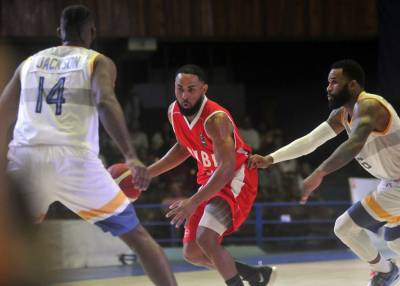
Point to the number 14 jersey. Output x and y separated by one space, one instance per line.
56 105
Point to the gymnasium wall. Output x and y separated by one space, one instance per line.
200 19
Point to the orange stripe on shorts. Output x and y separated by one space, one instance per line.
379 211
108 208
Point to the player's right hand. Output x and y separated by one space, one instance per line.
311 183
258 161
140 175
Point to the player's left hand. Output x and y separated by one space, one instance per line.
180 211
310 184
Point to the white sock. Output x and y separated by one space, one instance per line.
382 266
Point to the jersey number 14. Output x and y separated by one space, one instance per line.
55 96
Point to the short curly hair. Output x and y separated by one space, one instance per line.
194 70
351 70
72 19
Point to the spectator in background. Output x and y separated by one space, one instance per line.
250 134
138 137
271 185
163 140
109 152
265 138
304 169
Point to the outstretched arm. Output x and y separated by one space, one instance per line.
174 157
9 102
220 130
304 145
367 117
112 117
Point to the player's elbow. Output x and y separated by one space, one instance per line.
104 103
356 145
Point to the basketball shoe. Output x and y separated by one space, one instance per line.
386 279
265 275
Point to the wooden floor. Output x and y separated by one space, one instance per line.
330 273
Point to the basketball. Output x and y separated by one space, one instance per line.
122 175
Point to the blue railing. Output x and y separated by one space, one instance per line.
257 220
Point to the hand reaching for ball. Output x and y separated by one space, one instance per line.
122 175
140 175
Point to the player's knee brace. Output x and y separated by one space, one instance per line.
346 227
355 237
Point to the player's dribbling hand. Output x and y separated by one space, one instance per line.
258 161
140 175
310 184
180 211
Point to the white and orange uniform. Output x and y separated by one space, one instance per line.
55 143
380 156
241 191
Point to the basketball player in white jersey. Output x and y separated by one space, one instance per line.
56 98
373 127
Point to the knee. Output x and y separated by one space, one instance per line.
193 255
193 258
344 226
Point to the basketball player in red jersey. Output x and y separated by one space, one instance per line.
207 132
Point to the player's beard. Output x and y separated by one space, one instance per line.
341 98
191 110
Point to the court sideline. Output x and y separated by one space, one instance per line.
328 273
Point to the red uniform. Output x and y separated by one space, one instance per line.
241 191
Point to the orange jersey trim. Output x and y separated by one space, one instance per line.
91 61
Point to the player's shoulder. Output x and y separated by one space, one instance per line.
370 100
216 122
171 107
212 105
104 59
45 51
369 103
215 113
105 63
171 110
217 118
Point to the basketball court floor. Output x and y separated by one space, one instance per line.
350 272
